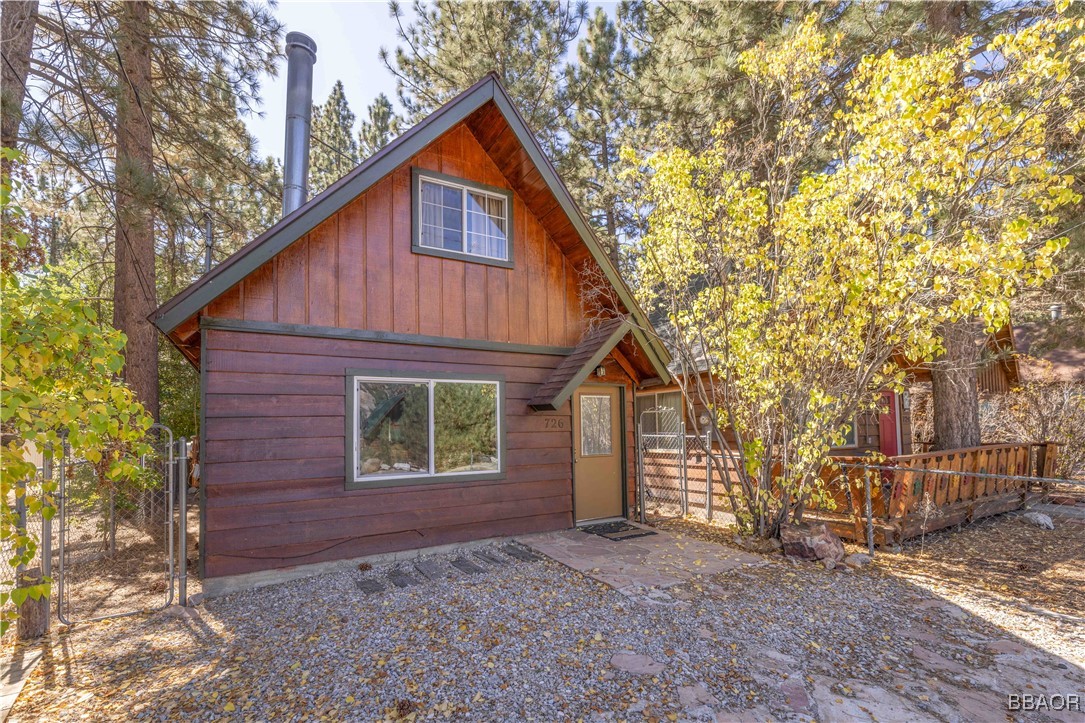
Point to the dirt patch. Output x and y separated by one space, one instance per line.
1028 580
775 640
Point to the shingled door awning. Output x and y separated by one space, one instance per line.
580 363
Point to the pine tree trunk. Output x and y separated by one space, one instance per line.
953 387
954 396
134 277
946 16
17 21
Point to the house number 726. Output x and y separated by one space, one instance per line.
555 423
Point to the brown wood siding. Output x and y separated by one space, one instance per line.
273 463
356 270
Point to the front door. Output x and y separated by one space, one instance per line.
888 426
597 453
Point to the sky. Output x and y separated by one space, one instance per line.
348 37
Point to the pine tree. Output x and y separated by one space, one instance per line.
134 289
451 45
333 151
143 115
601 122
382 125
686 61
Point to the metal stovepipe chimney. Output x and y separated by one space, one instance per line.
300 58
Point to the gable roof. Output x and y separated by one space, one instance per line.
293 227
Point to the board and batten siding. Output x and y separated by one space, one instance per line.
357 271
274 454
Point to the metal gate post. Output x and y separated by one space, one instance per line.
20 513
708 471
640 472
47 526
685 472
182 535
61 487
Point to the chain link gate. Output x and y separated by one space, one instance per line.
661 464
117 553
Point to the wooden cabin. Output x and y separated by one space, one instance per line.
888 431
408 360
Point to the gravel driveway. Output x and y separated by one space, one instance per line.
537 641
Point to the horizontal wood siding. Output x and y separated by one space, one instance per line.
273 463
356 270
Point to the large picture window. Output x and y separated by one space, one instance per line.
455 218
406 429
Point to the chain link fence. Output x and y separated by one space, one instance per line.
116 536
36 527
114 546
663 483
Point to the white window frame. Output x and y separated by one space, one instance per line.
463 186
359 481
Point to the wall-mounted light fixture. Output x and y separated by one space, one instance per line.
600 371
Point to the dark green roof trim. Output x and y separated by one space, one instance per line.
398 153
557 400
388 337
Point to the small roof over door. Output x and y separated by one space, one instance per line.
582 361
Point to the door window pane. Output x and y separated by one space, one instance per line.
393 428
465 427
595 425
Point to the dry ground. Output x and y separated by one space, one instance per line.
1029 582
912 638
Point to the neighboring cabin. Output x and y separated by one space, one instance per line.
407 360
902 425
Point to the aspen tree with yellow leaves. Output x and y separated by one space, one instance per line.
802 291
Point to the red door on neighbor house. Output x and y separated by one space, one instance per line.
888 426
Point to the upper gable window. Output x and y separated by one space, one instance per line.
455 218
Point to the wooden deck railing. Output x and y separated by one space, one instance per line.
920 493
934 490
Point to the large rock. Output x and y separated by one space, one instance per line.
1038 519
811 542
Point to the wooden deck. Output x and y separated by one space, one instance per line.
922 493
928 492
